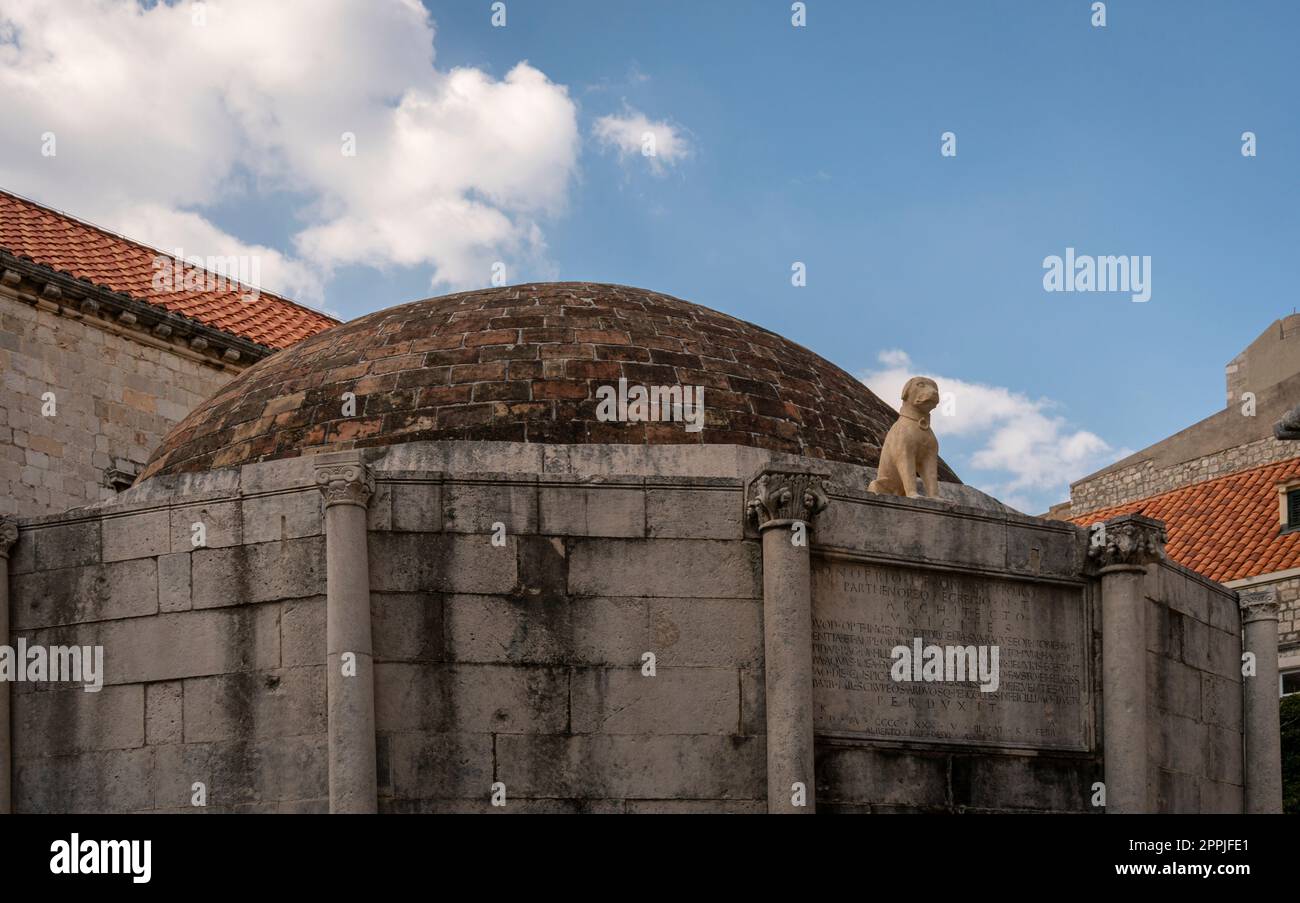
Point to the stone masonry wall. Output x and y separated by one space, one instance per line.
1194 693
115 398
1145 479
521 662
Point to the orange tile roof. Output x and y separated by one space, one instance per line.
60 242
1226 528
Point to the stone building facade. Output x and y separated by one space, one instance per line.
97 366
1216 485
473 612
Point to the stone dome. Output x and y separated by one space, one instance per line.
522 364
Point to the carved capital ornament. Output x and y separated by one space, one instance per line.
345 484
8 536
1258 604
1131 541
780 497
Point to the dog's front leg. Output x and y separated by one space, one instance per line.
930 475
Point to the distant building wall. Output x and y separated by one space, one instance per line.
116 393
1147 478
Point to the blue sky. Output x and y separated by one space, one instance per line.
822 145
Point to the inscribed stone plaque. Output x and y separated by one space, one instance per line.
862 611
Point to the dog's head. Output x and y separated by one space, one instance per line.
922 393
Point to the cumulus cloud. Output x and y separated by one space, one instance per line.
633 134
159 118
1030 453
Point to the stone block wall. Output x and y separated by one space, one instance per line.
1194 693
213 658
519 661
1145 479
116 396
522 663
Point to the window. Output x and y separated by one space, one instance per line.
1288 505
1290 681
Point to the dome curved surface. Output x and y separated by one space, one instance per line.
522 364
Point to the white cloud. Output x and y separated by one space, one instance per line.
1031 453
158 119
633 134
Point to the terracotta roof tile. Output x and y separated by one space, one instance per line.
60 242
1226 528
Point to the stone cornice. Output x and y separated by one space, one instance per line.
50 289
1258 605
1128 541
779 497
347 483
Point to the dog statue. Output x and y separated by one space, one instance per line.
910 447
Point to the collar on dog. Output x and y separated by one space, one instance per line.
923 422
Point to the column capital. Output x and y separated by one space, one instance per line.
345 483
1258 604
8 535
1128 541
780 497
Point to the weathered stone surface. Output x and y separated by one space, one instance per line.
474 507
436 766
429 562
1023 783
674 701
174 582
77 595
293 569
695 513
917 530
242 773
302 632
633 766
862 611
107 781
595 510
223 526
881 777
1175 688
177 645
1221 702
417 507
66 545
69 721
288 515
407 626
706 631
665 567
164 713
586 630
143 535
285 702
476 698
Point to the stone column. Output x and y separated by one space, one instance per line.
350 681
8 536
1121 549
1260 718
778 501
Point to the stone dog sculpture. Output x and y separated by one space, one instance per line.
910 447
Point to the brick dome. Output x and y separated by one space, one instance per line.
522 364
